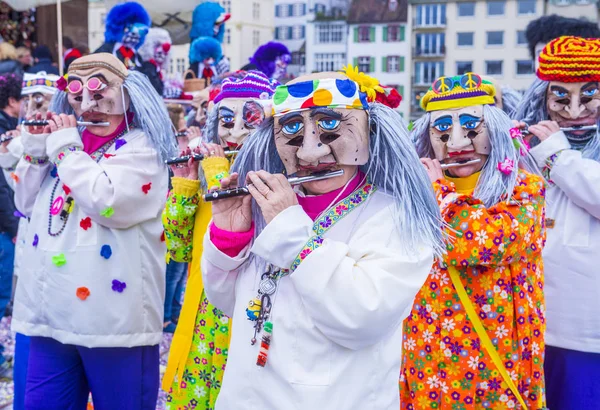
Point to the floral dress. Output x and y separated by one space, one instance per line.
498 252
200 344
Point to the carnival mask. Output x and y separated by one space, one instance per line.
95 86
460 135
237 118
161 52
281 64
36 103
572 105
219 22
321 139
134 35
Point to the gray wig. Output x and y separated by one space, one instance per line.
210 132
148 108
393 167
493 186
532 110
510 99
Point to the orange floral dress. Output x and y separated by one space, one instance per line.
498 252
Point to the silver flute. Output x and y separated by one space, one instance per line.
4 138
569 129
460 164
197 157
41 123
243 190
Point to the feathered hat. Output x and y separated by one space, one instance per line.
203 48
265 56
122 15
204 18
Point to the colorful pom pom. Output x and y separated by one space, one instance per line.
82 293
36 240
59 260
108 212
118 286
146 188
85 223
106 251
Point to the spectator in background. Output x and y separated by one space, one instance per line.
10 96
70 53
24 57
8 60
43 61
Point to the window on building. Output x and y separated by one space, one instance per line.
430 15
493 67
299 9
392 64
226 4
463 67
290 10
364 34
466 9
526 7
330 33
428 71
256 11
298 33
465 39
393 33
430 44
495 38
496 7
278 11
521 39
320 8
227 36
181 65
298 58
329 61
365 64
103 18
525 67
255 38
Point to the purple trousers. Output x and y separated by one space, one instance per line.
61 377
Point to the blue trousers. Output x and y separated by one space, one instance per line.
572 381
20 370
175 279
7 264
60 377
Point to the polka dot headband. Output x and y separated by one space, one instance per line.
329 92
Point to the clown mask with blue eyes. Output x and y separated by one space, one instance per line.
573 104
237 118
460 135
134 35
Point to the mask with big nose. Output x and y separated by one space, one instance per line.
95 85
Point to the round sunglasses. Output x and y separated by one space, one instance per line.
92 84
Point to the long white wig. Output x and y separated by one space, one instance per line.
150 112
510 99
493 186
393 167
156 36
532 110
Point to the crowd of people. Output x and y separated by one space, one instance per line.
326 256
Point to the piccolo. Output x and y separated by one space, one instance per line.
460 164
243 190
569 129
4 138
181 134
36 123
197 157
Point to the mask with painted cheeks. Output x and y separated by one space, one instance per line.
460 135
237 118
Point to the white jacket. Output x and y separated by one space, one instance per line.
46 301
336 319
571 254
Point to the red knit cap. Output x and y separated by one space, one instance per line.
570 60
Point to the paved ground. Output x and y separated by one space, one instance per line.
6 385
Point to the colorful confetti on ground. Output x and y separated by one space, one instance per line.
6 385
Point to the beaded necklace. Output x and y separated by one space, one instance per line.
260 309
64 207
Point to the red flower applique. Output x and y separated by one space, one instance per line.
146 188
162 236
61 83
66 189
83 293
108 155
86 223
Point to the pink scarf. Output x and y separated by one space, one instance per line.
92 142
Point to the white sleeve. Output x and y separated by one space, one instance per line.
11 158
118 192
357 293
577 177
219 274
30 175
